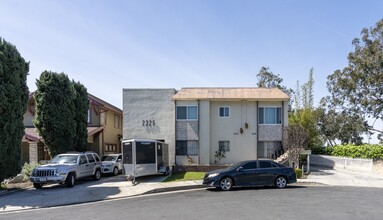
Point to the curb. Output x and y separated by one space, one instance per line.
173 188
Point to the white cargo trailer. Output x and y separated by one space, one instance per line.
142 157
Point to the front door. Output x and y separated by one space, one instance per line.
83 167
247 174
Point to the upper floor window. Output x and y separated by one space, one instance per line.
89 116
116 121
103 118
187 113
224 112
270 115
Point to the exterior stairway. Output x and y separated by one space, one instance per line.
283 158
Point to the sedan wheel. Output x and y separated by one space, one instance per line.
226 184
280 182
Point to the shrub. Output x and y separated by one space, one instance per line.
298 172
27 169
370 151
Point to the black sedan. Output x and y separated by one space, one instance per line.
251 173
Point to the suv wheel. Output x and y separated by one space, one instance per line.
115 171
38 185
97 175
69 182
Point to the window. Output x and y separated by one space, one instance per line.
110 147
265 164
145 152
224 145
116 121
89 116
224 112
90 158
103 118
250 165
187 113
83 159
186 148
128 154
270 115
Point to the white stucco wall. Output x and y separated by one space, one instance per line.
154 106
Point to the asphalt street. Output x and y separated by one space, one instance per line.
294 202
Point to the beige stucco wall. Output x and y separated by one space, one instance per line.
204 132
242 146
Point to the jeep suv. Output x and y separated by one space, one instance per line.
66 168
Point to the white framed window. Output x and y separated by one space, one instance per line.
224 146
187 112
103 118
186 147
224 111
270 115
116 121
89 116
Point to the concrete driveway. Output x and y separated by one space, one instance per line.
341 177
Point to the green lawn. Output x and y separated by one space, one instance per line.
185 176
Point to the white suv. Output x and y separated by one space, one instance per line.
65 168
111 164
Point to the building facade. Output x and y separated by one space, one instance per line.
207 126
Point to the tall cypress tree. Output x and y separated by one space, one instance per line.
55 112
81 116
13 104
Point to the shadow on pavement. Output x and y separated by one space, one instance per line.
257 188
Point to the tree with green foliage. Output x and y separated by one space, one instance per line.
267 79
358 88
55 112
13 104
81 103
304 113
340 126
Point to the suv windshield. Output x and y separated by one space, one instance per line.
109 158
60 159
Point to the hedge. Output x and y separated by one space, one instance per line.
369 151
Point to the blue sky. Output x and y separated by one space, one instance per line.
111 45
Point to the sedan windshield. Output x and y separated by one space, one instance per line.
109 158
235 165
60 159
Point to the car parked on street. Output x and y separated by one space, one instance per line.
111 164
251 173
66 168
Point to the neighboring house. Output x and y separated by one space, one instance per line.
245 123
104 131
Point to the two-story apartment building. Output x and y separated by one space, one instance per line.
104 130
245 123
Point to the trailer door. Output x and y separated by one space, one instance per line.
127 153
